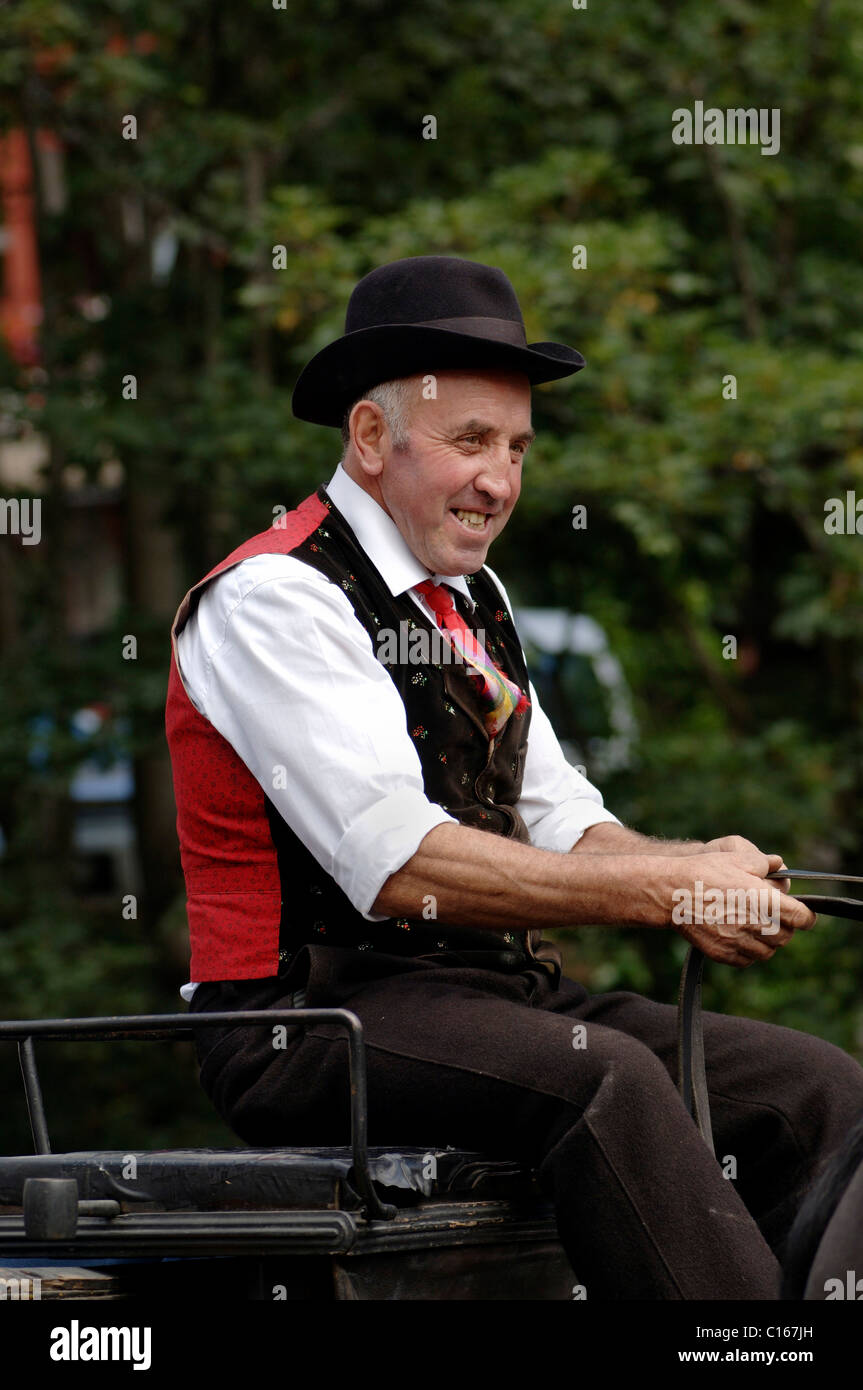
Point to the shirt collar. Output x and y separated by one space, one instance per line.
382 540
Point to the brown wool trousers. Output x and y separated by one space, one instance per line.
484 1059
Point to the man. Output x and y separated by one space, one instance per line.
336 786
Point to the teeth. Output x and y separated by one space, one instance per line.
476 519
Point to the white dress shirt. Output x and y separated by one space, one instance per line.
276 659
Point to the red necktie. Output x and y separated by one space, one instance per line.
499 696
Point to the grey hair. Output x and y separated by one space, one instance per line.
394 399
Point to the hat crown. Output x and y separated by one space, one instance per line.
425 314
423 289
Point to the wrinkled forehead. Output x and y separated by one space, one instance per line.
499 397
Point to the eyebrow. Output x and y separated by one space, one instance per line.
483 427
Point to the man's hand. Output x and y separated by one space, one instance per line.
735 844
722 902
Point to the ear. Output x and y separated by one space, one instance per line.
370 437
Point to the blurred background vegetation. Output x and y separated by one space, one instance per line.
302 127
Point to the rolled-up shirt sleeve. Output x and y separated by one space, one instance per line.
557 803
283 669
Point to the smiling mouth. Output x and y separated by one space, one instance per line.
471 521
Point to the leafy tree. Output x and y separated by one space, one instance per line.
260 128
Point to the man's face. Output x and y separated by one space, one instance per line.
451 493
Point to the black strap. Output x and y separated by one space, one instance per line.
692 1078
832 907
691 1073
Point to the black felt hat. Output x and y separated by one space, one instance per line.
424 314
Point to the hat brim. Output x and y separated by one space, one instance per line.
338 374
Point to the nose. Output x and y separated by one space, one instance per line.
497 477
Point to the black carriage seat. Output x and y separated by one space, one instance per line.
350 1178
392 1222
271 1178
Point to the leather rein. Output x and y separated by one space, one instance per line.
692 1079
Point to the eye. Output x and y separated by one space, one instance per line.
520 448
466 438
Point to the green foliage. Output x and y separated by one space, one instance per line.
104 1094
260 128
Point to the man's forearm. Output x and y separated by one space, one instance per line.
475 879
607 838
484 880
